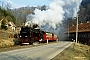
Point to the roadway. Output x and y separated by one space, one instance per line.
44 52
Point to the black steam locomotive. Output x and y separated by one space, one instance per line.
28 35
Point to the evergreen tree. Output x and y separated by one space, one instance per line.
3 25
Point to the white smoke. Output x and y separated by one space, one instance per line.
71 8
58 11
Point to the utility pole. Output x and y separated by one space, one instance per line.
77 29
76 25
2 4
68 30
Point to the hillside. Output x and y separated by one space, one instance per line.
22 13
85 3
5 31
5 14
84 13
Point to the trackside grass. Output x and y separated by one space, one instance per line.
74 52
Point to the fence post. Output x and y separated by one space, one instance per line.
57 40
47 41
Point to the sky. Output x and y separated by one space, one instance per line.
23 3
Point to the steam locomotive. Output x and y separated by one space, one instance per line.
29 35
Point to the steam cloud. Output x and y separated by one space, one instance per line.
58 10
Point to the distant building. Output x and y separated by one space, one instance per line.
10 24
83 32
1 22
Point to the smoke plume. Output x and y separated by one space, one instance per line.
51 19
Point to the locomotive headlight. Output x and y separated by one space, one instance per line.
20 36
25 36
